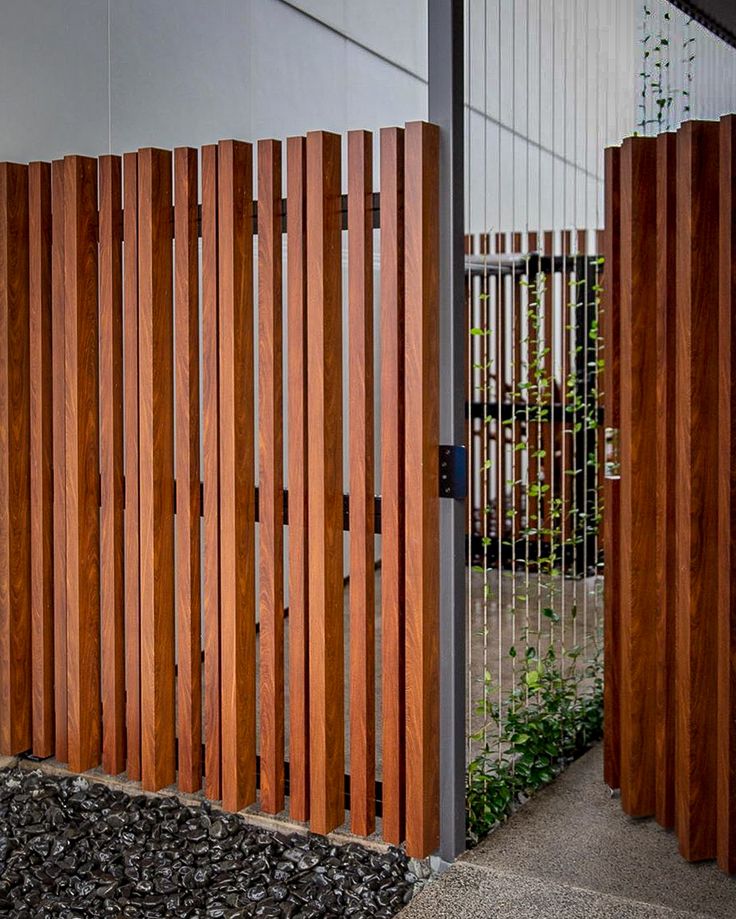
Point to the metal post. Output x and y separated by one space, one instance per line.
446 110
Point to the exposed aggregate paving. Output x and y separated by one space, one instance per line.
74 849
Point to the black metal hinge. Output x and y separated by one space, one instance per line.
453 471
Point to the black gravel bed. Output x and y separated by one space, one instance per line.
75 849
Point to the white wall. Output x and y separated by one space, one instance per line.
187 72
53 78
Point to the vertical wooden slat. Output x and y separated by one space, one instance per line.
548 444
422 488
326 691
15 516
237 474
82 462
132 467
298 474
726 736
611 495
696 496
637 549
517 429
666 485
564 433
42 560
392 485
156 405
188 552
211 474
59 457
362 560
111 467
271 477
532 316
503 363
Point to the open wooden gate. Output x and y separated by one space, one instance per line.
670 505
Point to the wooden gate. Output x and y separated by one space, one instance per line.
134 338
670 509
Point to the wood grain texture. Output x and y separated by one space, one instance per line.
298 473
41 408
112 596
422 488
362 486
271 477
696 446
726 642
637 548
132 468
611 296
15 491
59 457
188 558
324 305
237 474
82 463
392 485
666 394
211 474
156 483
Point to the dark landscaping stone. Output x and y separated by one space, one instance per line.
74 849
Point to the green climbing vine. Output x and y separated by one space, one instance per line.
553 710
658 95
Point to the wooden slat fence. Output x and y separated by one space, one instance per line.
670 307
532 311
147 389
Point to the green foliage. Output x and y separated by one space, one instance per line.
554 711
655 75
553 714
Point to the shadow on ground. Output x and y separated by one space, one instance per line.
571 853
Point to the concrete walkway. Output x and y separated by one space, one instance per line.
571 853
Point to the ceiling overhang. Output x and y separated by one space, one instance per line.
718 16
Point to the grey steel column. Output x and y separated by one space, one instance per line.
446 110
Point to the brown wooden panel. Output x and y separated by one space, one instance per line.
611 512
59 457
132 467
156 483
726 737
362 488
42 546
422 488
237 474
324 305
112 609
15 491
666 485
696 446
271 477
392 485
298 477
637 548
186 322
211 474
82 463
